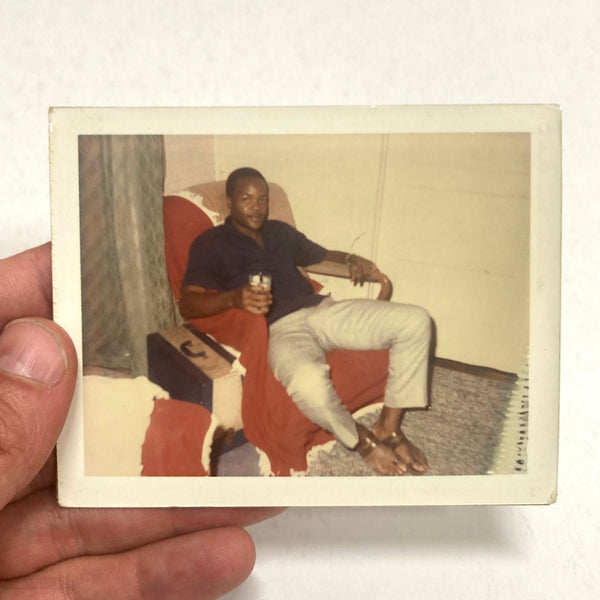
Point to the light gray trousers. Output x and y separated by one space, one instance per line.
298 342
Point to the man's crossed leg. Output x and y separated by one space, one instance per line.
297 347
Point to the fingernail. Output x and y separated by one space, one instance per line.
29 349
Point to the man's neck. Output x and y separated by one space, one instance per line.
253 234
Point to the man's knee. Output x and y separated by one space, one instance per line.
421 321
412 322
309 384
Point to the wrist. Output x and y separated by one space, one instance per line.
233 298
351 259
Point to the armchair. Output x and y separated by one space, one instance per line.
272 422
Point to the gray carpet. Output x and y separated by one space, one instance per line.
459 433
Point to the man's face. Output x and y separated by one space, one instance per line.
249 205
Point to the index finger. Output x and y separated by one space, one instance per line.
26 285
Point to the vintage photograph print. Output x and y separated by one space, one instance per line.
309 306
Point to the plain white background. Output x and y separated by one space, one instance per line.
243 53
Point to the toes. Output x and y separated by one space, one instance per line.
419 467
400 467
419 463
395 466
411 457
382 460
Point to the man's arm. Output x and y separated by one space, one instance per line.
197 302
360 268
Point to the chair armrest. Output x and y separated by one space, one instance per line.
335 269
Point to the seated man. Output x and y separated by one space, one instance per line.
304 325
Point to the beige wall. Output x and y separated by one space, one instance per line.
446 216
331 181
189 159
455 239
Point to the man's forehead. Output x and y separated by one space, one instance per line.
250 181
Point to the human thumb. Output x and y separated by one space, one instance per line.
38 369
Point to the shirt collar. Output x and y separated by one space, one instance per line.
227 223
233 229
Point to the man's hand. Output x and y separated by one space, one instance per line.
360 269
66 554
254 299
196 302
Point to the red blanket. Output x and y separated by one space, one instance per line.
175 440
272 422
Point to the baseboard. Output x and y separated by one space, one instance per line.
479 371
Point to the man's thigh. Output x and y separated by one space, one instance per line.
293 345
364 324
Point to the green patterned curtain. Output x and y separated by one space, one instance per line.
125 292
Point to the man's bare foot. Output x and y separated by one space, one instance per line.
377 455
406 452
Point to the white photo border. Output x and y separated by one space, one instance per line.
537 486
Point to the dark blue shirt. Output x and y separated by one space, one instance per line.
222 258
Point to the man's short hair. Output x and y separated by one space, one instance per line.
239 174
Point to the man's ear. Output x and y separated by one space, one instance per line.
228 200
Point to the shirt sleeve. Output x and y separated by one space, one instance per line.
201 267
306 252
